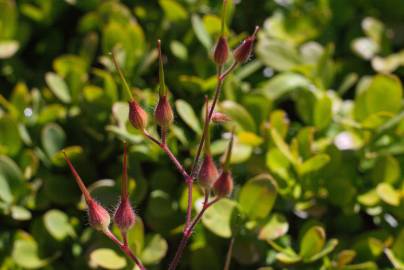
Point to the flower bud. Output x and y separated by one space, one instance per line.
243 51
208 172
98 217
124 216
224 184
218 117
221 51
163 114
137 116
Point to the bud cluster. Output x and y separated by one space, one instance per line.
99 218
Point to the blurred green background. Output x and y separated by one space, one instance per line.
319 155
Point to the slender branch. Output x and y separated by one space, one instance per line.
125 249
188 233
120 72
170 154
207 121
190 183
228 255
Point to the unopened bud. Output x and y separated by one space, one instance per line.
221 51
98 217
137 116
218 117
208 172
243 51
124 216
224 184
163 114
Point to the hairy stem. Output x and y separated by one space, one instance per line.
125 249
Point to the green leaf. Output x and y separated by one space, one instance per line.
283 84
11 179
155 249
239 115
383 93
287 258
188 115
136 236
106 258
398 246
282 146
218 218
58 86
173 10
278 54
25 253
398 264
313 164
179 50
388 194
312 242
322 114
328 248
387 169
10 141
257 196
53 138
20 213
57 224
200 32
275 227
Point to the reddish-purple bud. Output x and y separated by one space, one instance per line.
137 116
224 184
124 216
208 172
243 51
218 117
163 114
98 217
221 52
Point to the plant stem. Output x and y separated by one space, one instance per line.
188 232
207 121
228 255
170 154
125 248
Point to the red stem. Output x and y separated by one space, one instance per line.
188 232
124 187
125 248
78 179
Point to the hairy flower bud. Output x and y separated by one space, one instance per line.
124 216
218 117
163 114
221 51
208 172
224 184
137 116
98 217
243 51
